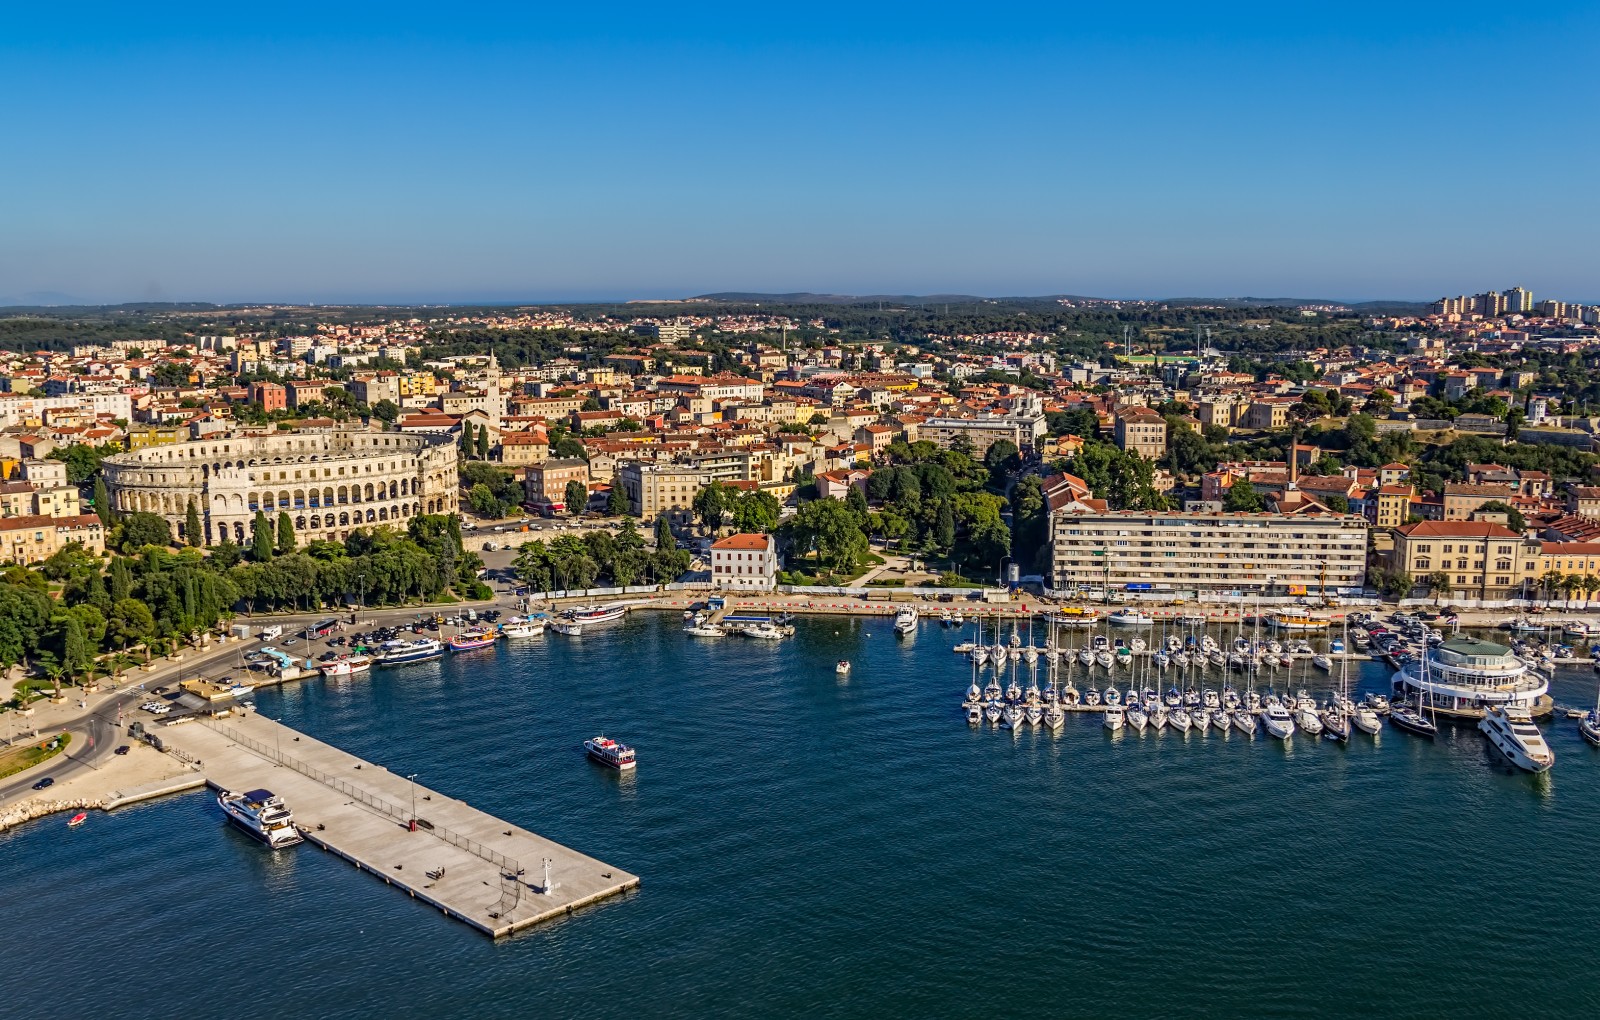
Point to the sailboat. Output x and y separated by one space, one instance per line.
1413 719
1336 720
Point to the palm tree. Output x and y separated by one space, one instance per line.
1569 584
1591 584
1550 581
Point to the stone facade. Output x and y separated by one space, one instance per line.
329 482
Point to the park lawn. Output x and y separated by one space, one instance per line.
16 759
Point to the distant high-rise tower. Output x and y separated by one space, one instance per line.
1518 299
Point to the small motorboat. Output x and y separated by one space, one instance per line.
842 667
77 820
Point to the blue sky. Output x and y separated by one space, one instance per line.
464 153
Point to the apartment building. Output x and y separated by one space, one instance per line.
982 433
31 539
1205 551
656 489
1142 431
1483 560
546 482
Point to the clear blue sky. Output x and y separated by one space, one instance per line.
458 153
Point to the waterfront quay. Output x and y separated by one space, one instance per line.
472 866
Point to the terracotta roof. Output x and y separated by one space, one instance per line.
744 542
1456 529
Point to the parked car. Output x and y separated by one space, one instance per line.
47 781
121 750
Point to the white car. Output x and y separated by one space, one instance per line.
160 709
150 706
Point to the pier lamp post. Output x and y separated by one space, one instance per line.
412 779
361 590
278 737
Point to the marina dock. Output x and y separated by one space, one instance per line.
471 866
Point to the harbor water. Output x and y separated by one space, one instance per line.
843 847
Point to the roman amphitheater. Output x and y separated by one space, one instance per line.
328 483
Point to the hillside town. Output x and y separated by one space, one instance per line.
1448 453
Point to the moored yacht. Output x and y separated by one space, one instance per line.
346 665
403 653
1511 730
1277 720
263 815
905 621
520 627
591 615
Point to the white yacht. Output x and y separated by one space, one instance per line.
905 621
1137 717
1054 718
1115 716
402 653
1308 719
1277 720
263 815
1463 675
1131 618
1510 728
1179 719
1010 717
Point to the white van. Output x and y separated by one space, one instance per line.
271 633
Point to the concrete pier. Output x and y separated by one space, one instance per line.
472 866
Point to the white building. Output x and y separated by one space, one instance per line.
745 562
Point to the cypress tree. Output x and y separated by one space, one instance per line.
121 580
285 533
102 501
261 538
466 439
191 525
483 443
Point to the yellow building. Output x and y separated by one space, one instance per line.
1481 559
140 437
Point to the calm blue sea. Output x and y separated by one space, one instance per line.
841 849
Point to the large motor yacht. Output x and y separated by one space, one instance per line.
905 621
1511 730
1462 676
263 815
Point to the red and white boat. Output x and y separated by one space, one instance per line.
78 819
346 665
609 752
469 639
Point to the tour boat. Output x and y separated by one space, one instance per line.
469 639
515 628
905 621
346 665
1510 728
842 668
590 615
608 752
1289 621
263 815
403 653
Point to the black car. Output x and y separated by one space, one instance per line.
121 750
47 781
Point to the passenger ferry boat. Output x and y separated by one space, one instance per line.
404 653
263 815
1074 616
905 621
1511 730
469 639
608 752
1462 676
589 615
346 665
1290 621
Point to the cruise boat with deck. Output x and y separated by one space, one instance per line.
519 627
905 621
403 653
346 665
609 752
1511 730
589 616
263 815
1131 618
1295 621
1462 676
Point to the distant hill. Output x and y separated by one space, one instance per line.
804 298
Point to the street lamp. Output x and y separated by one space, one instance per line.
278 736
412 778
361 590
